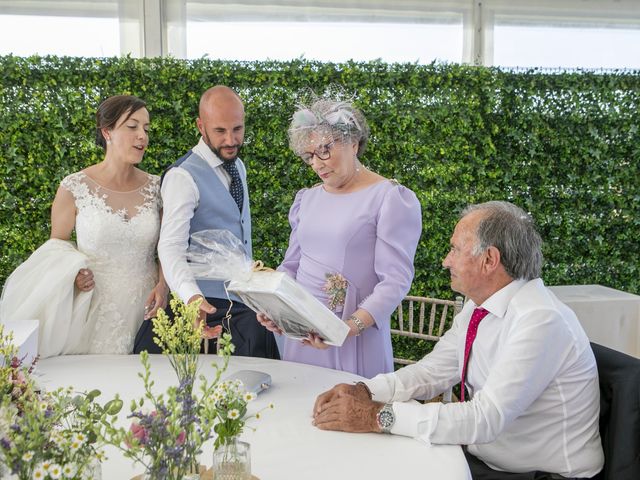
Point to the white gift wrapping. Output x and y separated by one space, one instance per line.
219 255
290 306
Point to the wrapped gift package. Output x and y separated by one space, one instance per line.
25 337
290 306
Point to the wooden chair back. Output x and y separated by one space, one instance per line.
424 318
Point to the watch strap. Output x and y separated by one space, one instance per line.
386 418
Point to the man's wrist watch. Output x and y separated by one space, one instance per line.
386 418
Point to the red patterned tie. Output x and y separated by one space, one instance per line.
472 330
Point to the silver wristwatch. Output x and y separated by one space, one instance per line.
386 418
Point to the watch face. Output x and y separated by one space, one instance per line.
386 419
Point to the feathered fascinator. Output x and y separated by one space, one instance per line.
331 117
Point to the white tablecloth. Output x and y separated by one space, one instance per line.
610 317
284 445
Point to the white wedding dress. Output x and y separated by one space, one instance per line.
117 233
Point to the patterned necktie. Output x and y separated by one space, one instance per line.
472 331
235 188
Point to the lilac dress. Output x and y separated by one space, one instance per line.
370 238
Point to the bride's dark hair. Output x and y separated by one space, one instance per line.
111 109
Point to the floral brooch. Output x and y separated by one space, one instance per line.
336 288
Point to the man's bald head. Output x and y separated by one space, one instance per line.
221 121
219 96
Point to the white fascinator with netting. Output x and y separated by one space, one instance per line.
329 117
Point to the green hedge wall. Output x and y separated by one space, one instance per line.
563 145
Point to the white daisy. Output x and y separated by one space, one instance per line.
58 439
234 413
75 445
27 456
69 470
55 471
39 473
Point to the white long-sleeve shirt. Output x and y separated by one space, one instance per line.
534 381
180 197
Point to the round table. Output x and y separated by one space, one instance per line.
285 445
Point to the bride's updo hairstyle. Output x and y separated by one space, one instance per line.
331 118
110 110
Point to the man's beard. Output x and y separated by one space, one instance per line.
225 159
216 151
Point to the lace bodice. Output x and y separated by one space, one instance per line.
118 231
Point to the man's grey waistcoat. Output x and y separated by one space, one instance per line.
217 210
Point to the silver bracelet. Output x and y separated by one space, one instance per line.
358 323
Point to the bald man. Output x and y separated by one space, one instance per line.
207 189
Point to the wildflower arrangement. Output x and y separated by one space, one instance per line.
16 382
47 434
231 401
336 289
168 429
57 436
180 338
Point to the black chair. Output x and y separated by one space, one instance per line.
619 413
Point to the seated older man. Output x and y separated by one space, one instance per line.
529 393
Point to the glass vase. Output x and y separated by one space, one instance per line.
193 473
93 471
194 470
187 476
4 473
232 461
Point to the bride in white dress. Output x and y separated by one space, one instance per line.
92 298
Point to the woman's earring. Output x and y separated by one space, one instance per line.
108 141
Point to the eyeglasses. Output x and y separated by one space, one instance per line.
323 152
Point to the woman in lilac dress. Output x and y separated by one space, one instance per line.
353 240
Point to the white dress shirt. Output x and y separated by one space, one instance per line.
180 197
533 380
